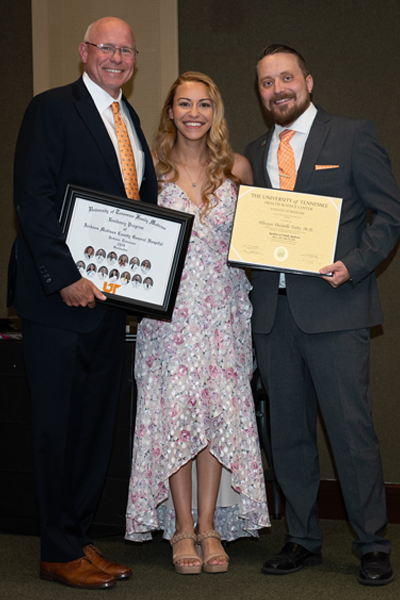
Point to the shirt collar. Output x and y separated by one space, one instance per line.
303 123
101 98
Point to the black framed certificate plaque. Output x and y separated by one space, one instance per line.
134 252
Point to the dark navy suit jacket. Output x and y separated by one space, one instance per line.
62 140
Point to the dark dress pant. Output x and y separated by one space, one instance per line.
300 371
74 380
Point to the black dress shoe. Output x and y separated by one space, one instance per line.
376 569
291 558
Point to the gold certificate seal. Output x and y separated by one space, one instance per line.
281 253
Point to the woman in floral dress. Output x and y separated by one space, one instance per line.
193 373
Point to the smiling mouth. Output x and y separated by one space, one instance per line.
114 70
284 100
193 124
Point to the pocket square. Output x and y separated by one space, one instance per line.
323 167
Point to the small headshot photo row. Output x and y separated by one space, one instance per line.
114 275
100 255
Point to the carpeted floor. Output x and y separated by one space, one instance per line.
154 576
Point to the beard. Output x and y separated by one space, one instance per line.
285 116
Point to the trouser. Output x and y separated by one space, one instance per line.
74 381
300 371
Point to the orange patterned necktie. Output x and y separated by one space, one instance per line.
286 163
126 153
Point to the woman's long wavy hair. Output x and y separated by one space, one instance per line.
220 152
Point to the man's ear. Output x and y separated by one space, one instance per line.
83 51
310 83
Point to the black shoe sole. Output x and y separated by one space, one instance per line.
376 582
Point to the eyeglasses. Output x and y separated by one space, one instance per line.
109 50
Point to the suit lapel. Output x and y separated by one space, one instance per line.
136 123
315 141
265 144
90 116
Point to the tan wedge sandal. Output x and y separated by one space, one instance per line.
206 559
185 569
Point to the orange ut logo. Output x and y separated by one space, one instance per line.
110 288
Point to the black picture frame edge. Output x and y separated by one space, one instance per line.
137 307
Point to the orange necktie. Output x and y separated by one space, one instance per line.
126 153
286 163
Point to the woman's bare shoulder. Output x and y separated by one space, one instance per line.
242 169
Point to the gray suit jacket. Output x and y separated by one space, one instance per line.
365 182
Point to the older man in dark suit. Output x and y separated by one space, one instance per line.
312 334
70 335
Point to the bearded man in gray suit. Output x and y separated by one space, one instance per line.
312 334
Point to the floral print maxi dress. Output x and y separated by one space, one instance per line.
193 378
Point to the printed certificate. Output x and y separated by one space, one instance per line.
133 252
284 231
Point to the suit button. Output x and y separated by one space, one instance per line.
48 280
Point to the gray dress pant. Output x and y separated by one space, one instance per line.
300 371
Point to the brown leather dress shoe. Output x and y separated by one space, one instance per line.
96 558
78 573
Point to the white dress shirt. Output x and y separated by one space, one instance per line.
302 128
